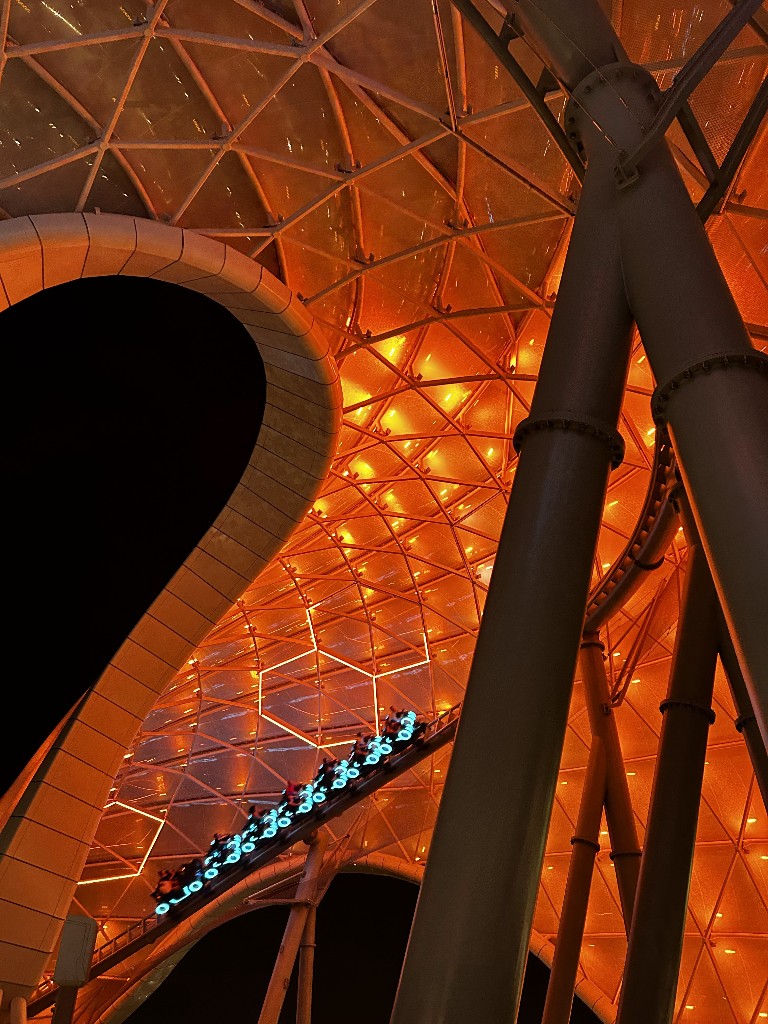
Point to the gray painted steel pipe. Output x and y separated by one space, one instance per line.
746 722
713 391
469 941
718 417
658 924
306 969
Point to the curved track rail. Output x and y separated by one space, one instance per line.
645 549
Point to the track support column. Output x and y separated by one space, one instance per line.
306 891
625 846
64 1007
306 969
18 1014
658 924
586 845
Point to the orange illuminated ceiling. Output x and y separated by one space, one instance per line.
374 155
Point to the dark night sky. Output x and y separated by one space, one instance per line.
130 410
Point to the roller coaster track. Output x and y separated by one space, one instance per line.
154 926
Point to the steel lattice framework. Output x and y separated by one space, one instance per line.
380 159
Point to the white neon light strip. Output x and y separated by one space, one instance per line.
404 668
316 649
287 728
355 668
280 664
134 874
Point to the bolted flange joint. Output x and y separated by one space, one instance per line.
566 421
592 643
689 705
614 105
648 566
744 720
585 842
756 361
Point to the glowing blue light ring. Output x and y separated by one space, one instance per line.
372 759
249 847
305 807
211 873
284 821
162 908
338 783
233 858
271 832
318 797
353 772
196 885
386 748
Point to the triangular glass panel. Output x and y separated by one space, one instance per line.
36 124
228 198
113 191
251 23
165 102
56 191
39 22
169 175
365 44
299 123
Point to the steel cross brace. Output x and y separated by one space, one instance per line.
726 173
676 98
498 44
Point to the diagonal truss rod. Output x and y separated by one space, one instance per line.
694 72
730 166
120 102
526 86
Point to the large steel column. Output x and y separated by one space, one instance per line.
625 846
658 924
294 929
713 385
746 722
17 1009
712 394
469 942
586 845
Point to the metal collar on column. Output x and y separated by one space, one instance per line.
756 361
557 420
